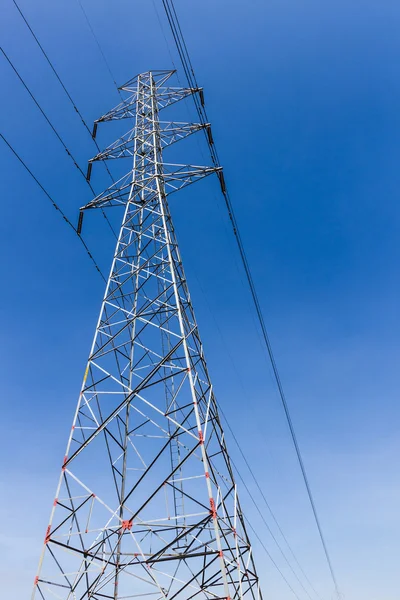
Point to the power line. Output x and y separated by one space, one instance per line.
51 65
99 47
264 519
61 83
269 509
227 350
190 75
43 113
163 34
54 130
55 205
270 557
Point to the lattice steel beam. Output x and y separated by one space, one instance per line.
146 503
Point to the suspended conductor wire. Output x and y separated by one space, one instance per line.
189 72
99 46
163 33
251 471
268 527
54 131
56 206
270 511
262 515
270 557
191 78
61 83
51 65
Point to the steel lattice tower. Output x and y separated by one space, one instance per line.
146 503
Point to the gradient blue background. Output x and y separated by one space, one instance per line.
304 100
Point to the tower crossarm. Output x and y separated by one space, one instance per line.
169 131
129 188
166 97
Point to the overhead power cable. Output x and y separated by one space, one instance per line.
266 523
62 84
191 78
51 66
56 206
99 47
227 350
270 511
267 505
60 139
270 557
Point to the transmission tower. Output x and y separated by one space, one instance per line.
146 504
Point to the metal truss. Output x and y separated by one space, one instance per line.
146 503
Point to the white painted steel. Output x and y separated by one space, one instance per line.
146 502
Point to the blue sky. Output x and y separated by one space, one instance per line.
303 99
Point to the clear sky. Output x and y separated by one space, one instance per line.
303 98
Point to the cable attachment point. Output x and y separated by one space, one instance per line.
209 134
80 221
222 181
201 96
89 171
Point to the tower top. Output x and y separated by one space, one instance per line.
158 76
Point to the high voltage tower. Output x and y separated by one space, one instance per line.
147 504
